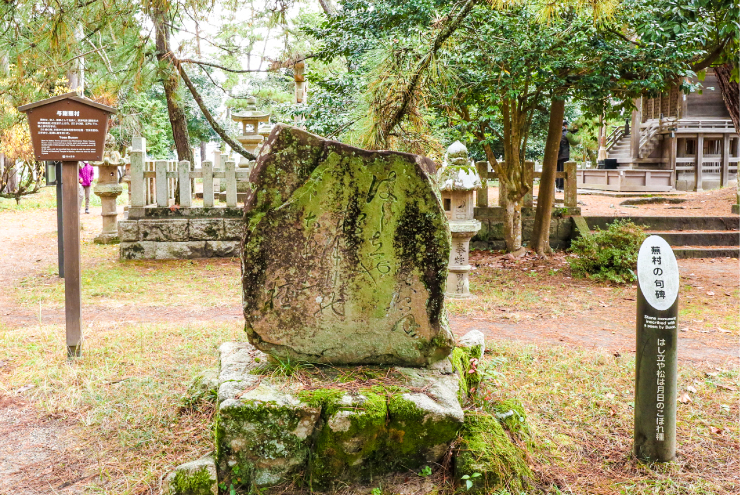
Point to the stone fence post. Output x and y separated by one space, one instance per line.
183 171
529 180
571 185
138 158
482 193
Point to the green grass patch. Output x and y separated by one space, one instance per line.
125 394
209 282
46 199
579 405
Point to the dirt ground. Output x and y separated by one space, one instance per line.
607 320
32 443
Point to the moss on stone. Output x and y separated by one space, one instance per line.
192 483
259 442
350 440
511 415
361 235
410 436
485 448
462 360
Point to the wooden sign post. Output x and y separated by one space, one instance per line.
655 360
69 128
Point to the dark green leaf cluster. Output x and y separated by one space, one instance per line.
609 255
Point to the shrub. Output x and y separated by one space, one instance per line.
609 254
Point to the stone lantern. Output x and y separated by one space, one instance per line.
108 189
252 139
458 179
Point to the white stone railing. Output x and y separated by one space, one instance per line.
154 182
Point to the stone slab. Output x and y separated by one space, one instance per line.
233 229
154 212
205 229
197 477
222 249
128 230
137 250
180 250
151 250
169 230
345 255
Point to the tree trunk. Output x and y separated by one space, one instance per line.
540 241
511 174
730 92
203 151
513 225
328 8
170 78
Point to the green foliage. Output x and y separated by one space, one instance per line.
609 255
487 450
469 478
145 114
465 362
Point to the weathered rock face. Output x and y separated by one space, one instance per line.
345 257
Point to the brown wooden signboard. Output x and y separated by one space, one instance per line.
68 128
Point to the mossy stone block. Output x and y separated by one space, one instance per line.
205 229
193 478
272 430
345 254
351 439
263 436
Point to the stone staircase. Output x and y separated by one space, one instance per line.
621 150
619 146
690 237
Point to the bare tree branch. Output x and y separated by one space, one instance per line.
235 145
209 64
711 56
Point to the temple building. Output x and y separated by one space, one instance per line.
685 143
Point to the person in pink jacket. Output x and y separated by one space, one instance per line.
87 173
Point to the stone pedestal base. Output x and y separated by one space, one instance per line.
108 190
352 427
334 431
106 238
251 143
458 284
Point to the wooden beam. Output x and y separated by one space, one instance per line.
72 275
724 176
635 130
698 171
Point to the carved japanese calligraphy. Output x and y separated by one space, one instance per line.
345 259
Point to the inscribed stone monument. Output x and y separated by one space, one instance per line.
345 256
